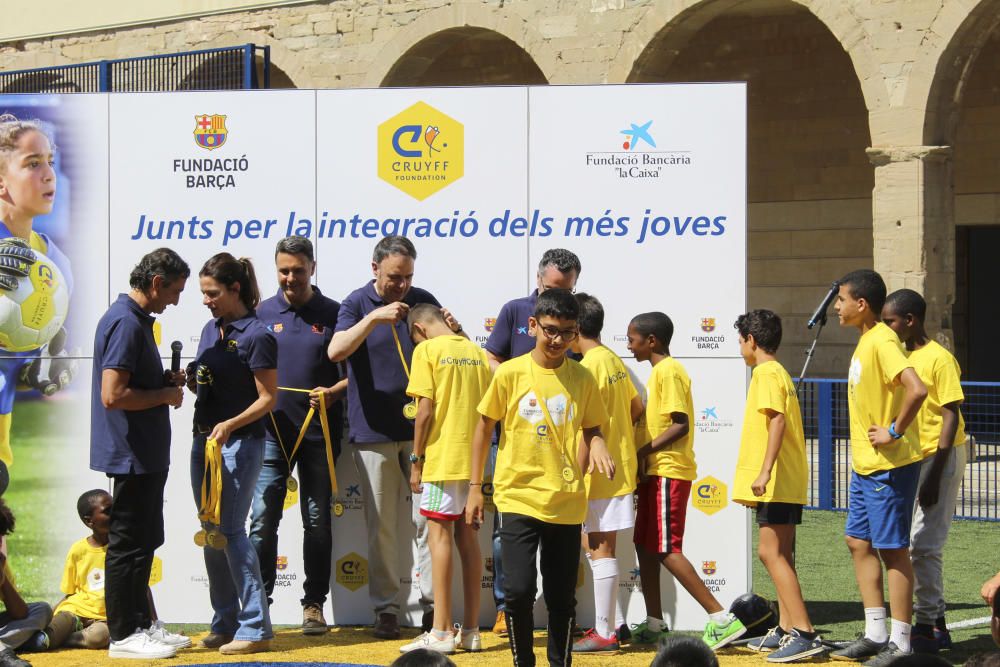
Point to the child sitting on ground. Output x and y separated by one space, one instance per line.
80 618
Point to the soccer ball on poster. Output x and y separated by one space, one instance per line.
33 313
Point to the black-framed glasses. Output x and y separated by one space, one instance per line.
567 335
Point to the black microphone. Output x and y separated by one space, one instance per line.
820 314
175 357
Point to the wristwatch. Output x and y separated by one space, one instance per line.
417 459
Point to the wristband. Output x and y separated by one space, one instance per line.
475 483
416 459
892 432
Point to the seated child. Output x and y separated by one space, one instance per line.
80 618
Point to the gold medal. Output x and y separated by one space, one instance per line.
216 539
201 538
410 410
567 474
292 485
338 509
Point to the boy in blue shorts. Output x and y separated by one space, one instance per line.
884 394
448 377
942 441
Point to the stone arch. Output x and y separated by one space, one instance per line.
809 178
946 88
962 112
290 66
471 33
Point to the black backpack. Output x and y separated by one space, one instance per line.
756 613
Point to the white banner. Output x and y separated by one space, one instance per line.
647 184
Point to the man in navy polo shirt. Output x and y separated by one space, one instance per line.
381 434
130 442
303 321
560 269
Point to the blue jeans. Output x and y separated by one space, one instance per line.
498 595
315 497
235 586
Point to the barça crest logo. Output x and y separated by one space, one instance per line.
708 567
708 324
489 323
210 130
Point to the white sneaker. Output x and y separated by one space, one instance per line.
159 632
468 640
140 646
429 641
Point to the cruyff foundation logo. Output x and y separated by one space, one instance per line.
421 150
709 495
210 131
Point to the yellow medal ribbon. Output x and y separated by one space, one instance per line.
324 422
210 512
568 475
410 409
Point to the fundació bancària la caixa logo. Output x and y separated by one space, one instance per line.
421 150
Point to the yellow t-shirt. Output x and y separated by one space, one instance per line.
873 400
453 372
537 471
771 388
617 391
939 370
668 391
83 581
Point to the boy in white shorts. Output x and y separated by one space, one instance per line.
609 501
448 378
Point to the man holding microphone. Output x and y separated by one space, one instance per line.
130 443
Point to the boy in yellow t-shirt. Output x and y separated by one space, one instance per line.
884 394
942 442
448 377
666 459
609 505
772 476
543 400
80 620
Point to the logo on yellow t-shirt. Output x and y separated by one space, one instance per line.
352 571
709 495
854 374
95 579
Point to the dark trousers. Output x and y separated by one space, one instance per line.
520 539
135 533
315 498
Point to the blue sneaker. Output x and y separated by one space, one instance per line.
795 647
768 642
36 642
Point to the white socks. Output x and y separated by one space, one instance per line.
900 634
875 626
605 595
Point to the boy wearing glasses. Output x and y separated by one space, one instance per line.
543 400
667 468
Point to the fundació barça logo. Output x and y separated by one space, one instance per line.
210 130
421 150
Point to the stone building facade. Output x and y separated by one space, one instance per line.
874 125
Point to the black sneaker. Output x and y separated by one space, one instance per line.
858 650
887 656
624 634
9 659
427 621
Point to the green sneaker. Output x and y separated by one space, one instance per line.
641 634
718 635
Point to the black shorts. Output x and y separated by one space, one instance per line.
779 514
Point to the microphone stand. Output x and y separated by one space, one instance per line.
809 353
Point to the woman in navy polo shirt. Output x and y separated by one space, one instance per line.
235 378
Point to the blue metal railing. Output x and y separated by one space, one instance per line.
828 444
228 68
